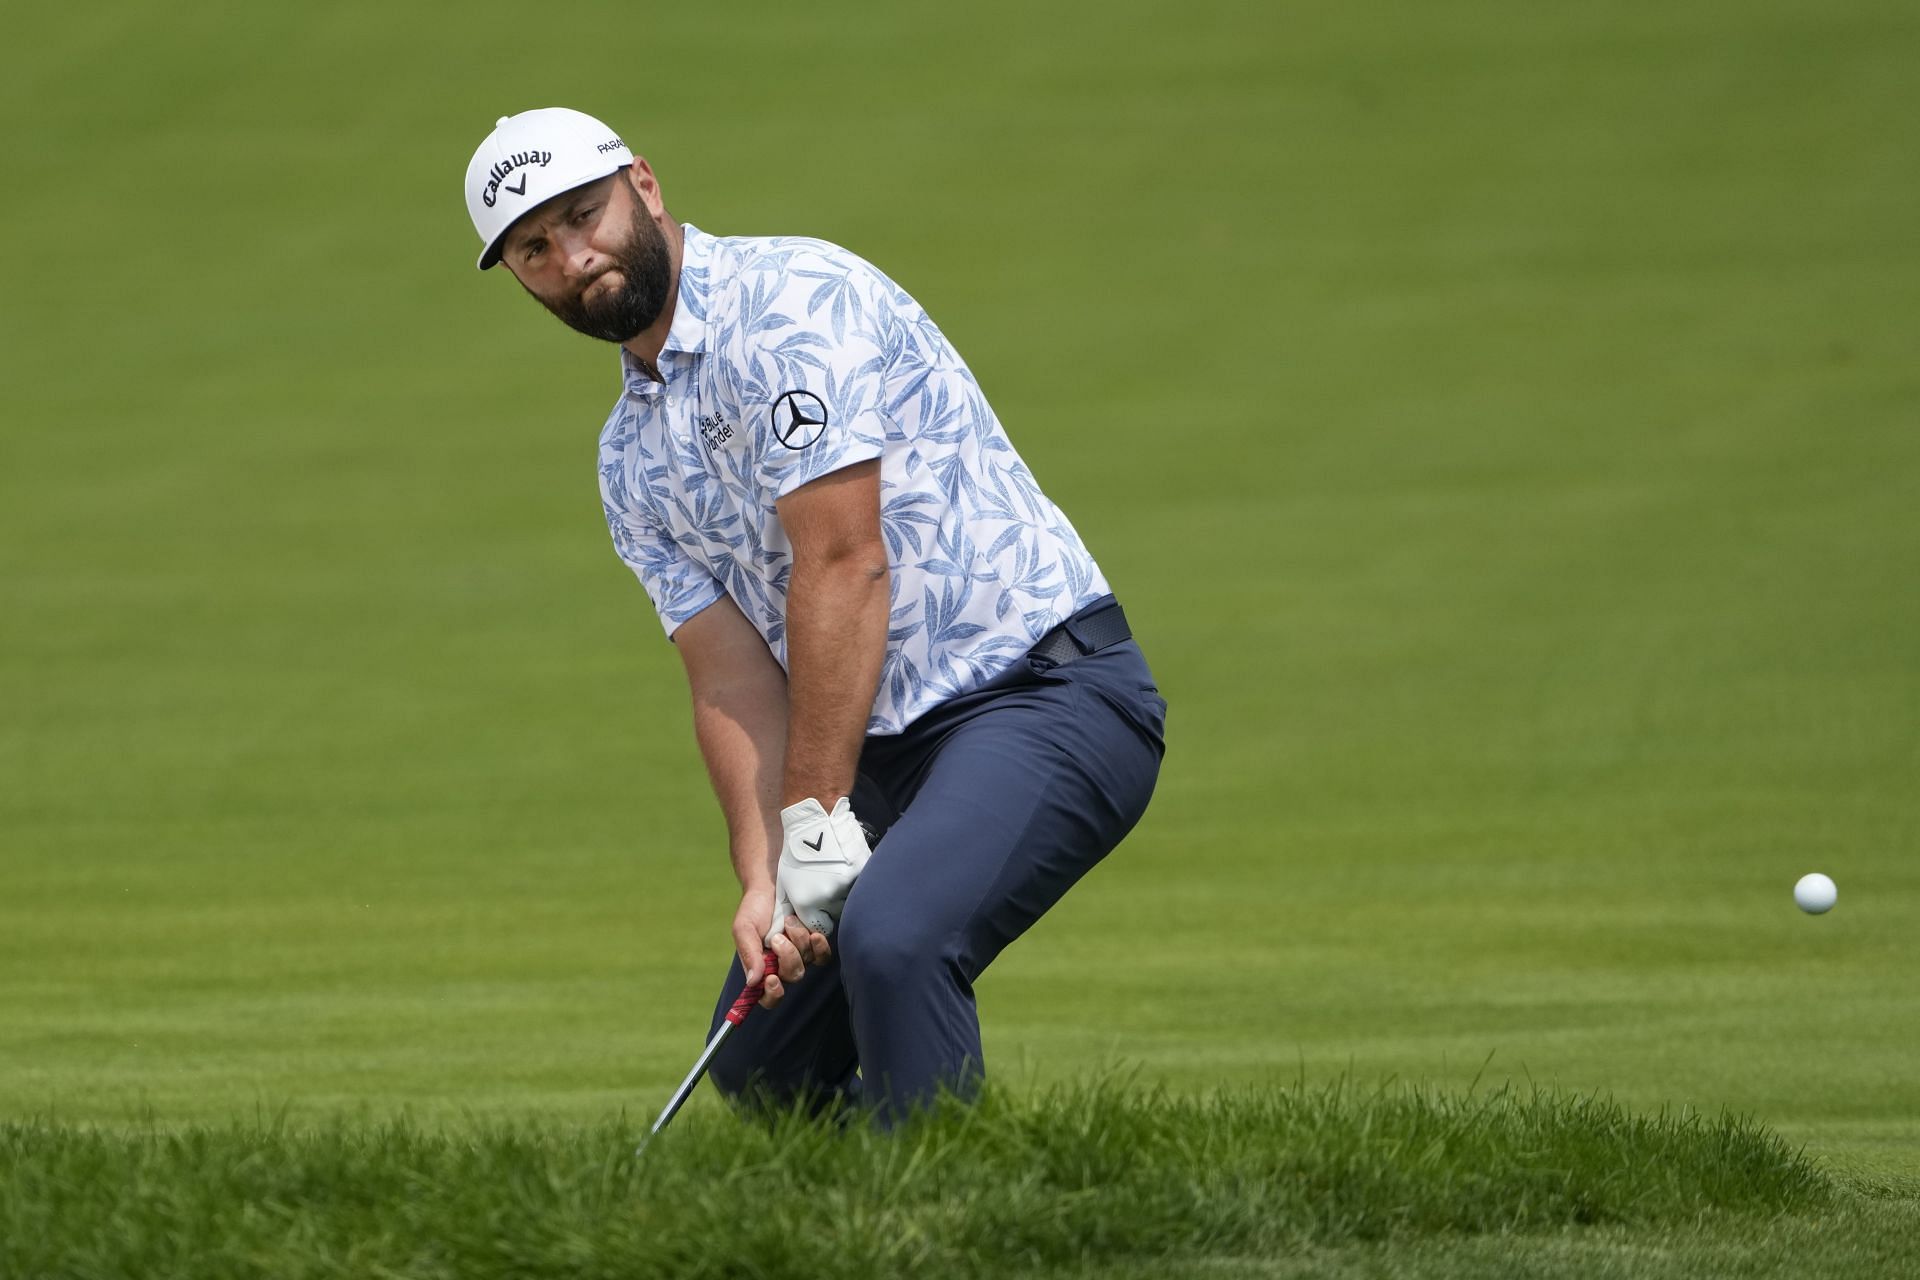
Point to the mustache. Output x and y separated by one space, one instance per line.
588 282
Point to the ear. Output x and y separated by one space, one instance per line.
645 186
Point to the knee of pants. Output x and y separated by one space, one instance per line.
744 1068
730 1076
742 1080
886 949
779 1086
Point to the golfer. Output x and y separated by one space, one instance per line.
919 704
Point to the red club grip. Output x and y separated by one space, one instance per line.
751 996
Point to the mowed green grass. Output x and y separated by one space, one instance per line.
1500 422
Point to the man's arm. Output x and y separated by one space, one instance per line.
740 721
837 603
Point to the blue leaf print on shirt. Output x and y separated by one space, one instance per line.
981 562
901 519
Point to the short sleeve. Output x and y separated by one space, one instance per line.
678 587
816 339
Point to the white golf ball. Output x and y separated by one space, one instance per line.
1815 893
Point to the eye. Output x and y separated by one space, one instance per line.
584 215
532 250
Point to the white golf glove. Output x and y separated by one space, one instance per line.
821 855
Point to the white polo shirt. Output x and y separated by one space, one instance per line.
790 358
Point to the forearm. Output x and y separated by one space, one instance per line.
836 640
740 721
741 725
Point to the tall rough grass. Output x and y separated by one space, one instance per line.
1059 1179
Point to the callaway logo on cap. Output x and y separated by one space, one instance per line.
530 158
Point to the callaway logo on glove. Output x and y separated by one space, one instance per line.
821 856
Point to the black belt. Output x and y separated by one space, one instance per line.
1082 634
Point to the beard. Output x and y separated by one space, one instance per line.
619 313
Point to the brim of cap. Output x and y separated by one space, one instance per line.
490 256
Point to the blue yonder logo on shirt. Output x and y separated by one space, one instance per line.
714 429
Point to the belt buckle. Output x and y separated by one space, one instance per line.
1056 648
1083 632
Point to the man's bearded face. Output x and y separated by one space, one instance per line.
628 292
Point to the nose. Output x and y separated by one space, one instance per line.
581 257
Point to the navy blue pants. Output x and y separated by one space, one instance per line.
1004 798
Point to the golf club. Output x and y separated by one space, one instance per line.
734 1017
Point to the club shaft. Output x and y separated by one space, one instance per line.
749 996
686 1088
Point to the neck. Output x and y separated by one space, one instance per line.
646 345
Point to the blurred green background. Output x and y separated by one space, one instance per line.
1502 421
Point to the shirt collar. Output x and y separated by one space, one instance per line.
688 332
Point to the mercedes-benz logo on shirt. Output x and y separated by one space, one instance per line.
799 418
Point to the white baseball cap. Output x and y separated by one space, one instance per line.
532 157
